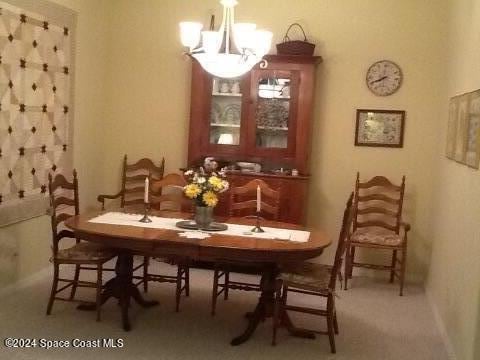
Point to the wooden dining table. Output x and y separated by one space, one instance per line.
266 254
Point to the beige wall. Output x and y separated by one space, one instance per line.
454 277
148 106
26 246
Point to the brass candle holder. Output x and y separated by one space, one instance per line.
145 218
257 228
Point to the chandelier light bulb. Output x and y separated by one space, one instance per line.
243 35
190 33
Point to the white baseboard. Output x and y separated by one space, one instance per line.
28 281
441 326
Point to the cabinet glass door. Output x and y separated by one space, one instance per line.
225 112
272 113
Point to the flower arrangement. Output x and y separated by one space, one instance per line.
204 186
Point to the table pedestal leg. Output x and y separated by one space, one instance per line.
122 288
264 309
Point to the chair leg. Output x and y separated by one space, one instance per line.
330 323
99 290
187 280
394 264
352 260
347 267
226 277
276 310
214 291
335 322
146 262
75 282
402 269
178 292
54 288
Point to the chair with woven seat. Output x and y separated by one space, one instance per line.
377 224
170 197
313 279
64 203
243 203
132 194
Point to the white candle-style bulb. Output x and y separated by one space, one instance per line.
259 199
145 196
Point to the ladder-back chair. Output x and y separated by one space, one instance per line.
377 224
313 279
132 194
170 197
243 203
64 203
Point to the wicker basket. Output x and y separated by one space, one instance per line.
295 47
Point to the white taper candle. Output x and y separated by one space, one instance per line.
259 198
145 196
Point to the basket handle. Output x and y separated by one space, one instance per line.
286 38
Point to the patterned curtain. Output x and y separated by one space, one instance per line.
35 108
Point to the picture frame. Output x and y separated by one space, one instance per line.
451 128
472 156
463 130
380 128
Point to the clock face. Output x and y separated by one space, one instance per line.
384 78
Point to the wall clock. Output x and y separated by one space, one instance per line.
384 77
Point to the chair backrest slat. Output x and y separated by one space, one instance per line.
378 197
243 199
376 210
62 200
135 178
378 203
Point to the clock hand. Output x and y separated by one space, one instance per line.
378 80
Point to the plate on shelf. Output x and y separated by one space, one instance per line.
273 114
231 114
215 113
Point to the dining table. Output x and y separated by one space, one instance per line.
128 237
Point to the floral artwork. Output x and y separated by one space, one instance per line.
463 132
380 128
204 185
472 157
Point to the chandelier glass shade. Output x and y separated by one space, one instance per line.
251 44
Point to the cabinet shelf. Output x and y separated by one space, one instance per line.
275 128
225 125
227 94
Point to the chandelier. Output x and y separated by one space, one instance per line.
251 44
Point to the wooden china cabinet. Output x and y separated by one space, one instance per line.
263 117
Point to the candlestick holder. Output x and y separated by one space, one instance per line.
145 218
257 228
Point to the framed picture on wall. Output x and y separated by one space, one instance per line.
383 128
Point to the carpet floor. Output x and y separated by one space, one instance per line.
375 324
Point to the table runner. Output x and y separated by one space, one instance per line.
118 218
